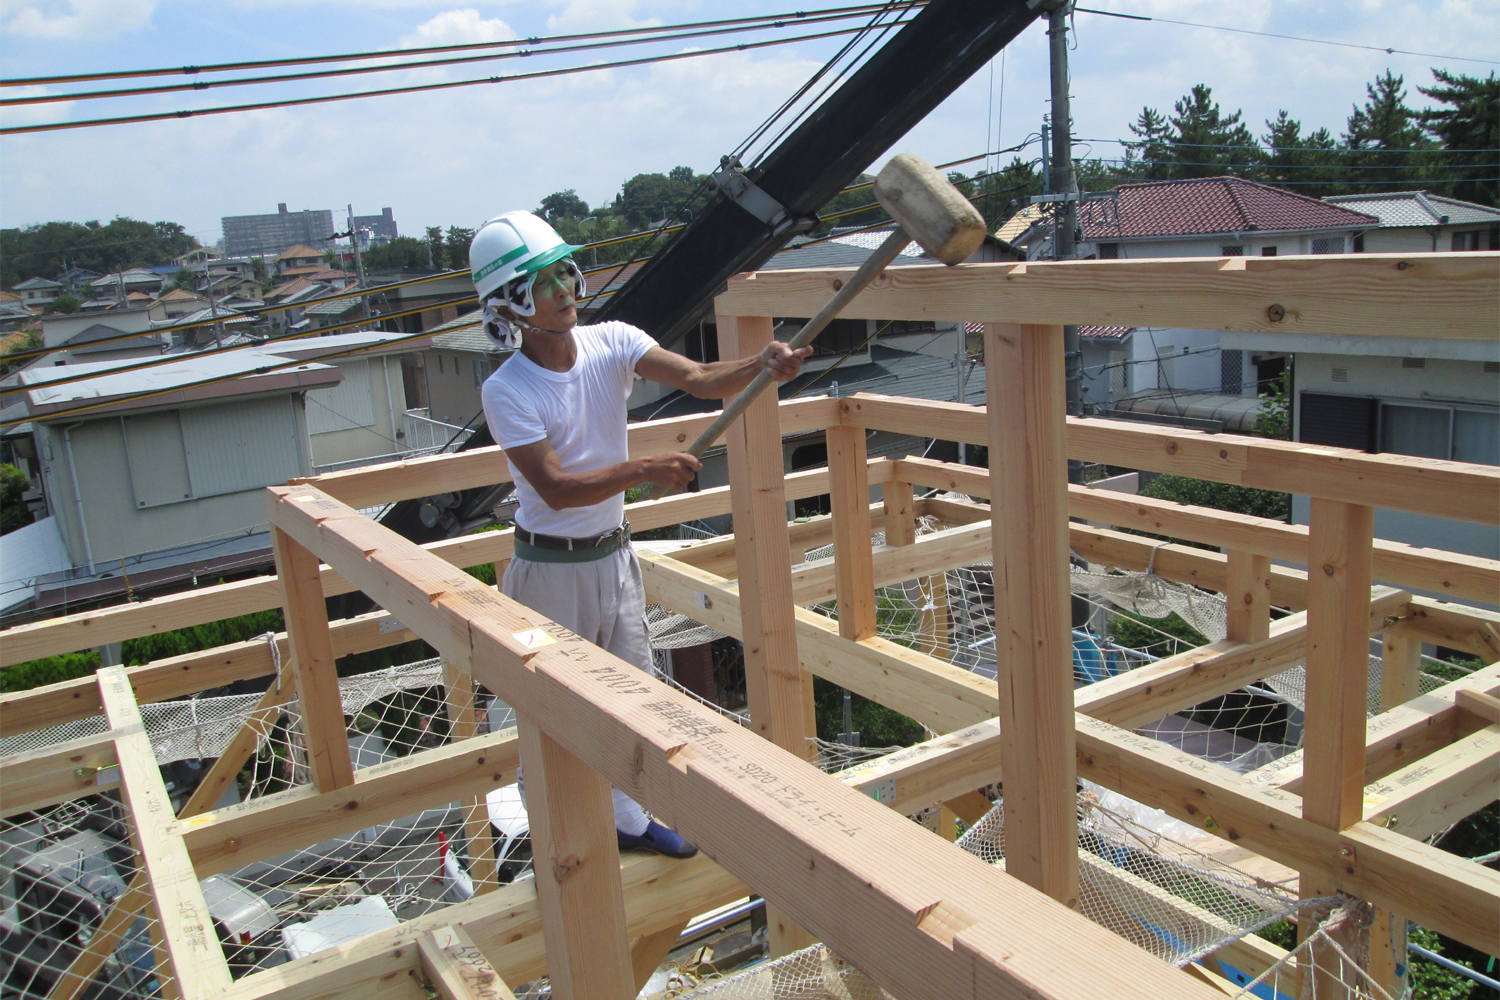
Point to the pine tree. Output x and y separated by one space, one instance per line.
1381 138
1205 141
1307 162
1149 158
1470 126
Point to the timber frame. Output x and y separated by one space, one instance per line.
921 917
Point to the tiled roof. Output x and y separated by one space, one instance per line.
1211 205
177 295
38 283
311 270
1019 223
291 253
466 338
1105 332
1417 208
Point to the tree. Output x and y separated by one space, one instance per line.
456 246
646 199
13 511
184 279
434 241
67 302
46 249
258 271
1150 157
1205 141
1470 127
563 205
1310 160
403 251
1000 194
1381 138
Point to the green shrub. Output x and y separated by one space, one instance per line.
49 670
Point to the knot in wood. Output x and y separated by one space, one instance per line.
1328 569
837 284
564 867
1276 312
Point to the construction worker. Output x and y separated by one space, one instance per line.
557 407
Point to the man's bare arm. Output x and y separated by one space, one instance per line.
540 465
719 379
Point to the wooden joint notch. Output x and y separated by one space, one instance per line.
943 921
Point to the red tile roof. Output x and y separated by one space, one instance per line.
1105 332
1210 205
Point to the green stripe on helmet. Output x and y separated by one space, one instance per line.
500 262
541 260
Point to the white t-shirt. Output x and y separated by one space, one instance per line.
580 411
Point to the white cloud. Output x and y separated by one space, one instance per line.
596 15
458 27
75 19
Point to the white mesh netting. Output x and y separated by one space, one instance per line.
811 974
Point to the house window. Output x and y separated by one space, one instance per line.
440 365
481 371
1468 241
457 365
1235 250
1359 242
1340 375
1268 251
1328 244
1441 432
1232 372
1109 251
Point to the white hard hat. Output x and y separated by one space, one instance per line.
511 246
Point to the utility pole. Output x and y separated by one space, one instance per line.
1063 191
359 263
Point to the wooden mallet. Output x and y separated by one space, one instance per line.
927 208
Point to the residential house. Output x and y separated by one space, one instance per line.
165 486
1163 371
174 305
452 368
229 284
291 299
113 287
362 419
299 260
75 280
1407 395
1418 222
37 292
87 337
197 256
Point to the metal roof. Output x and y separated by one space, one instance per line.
1417 208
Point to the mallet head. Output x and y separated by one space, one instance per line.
931 210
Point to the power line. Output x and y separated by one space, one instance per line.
1289 38
420 88
199 85
384 53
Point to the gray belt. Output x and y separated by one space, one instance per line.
559 549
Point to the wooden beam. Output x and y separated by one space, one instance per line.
577 866
1356 294
1025 387
42 777
457 969
900 513
177 676
324 733
854 567
943 925
274 824
1478 704
1420 485
1473 630
505 925
1434 793
198 963
1439 890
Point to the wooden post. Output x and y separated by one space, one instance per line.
1034 652
1388 958
778 689
854 561
1248 597
1338 668
323 728
1400 667
900 513
463 724
456 969
648 951
577 860
198 963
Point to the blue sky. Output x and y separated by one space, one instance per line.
459 156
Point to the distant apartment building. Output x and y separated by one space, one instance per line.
269 235
376 230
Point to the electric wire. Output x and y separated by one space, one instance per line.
416 88
854 11
200 85
1288 38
